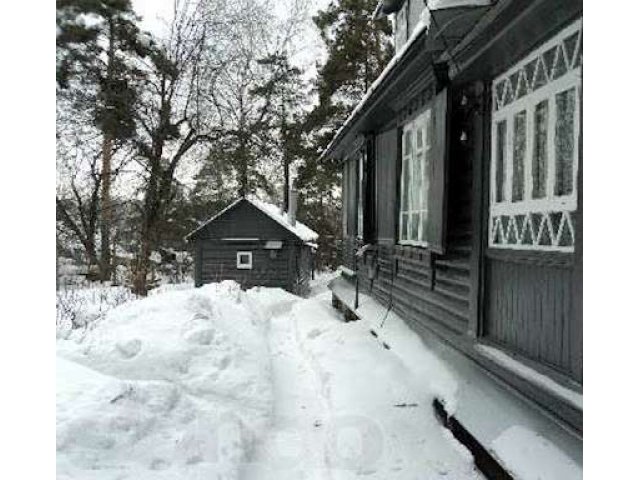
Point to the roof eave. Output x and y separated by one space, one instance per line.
387 7
192 233
371 99
365 108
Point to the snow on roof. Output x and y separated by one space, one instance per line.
422 25
300 230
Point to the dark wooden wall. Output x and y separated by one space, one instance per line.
427 288
219 263
468 294
385 164
531 301
530 309
216 259
349 242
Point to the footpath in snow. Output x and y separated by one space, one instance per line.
220 383
346 407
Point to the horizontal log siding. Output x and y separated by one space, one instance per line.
219 263
425 291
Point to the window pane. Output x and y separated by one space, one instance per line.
519 149
426 167
407 143
424 219
416 187
403 226
564 140
405 185
500 157
539 164
415 225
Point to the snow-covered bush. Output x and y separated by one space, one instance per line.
80 307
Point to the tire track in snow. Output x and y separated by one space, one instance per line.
295 446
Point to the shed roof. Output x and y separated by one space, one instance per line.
300 230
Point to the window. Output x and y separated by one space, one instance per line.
415 180
535 140
244 260
360 190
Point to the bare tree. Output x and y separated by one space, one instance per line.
173 119
79 151
246 93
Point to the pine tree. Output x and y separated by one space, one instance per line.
98 43
284 94
358 50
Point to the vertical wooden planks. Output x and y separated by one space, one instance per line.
530 310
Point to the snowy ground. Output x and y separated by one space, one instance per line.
219 383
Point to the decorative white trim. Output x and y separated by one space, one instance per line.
244 265
417 161
543 223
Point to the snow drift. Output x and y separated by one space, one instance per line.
173 386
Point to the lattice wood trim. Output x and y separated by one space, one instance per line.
545 222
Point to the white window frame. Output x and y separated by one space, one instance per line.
241 265
419 158
550 203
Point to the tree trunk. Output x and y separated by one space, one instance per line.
105 210
244 166
285 159
142 267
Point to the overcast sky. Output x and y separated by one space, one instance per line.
157 13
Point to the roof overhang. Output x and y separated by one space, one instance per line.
387 7
447 28
299 230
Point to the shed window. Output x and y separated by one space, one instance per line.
244 260
535 138
414 184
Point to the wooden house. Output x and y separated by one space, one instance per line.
255 243
462 198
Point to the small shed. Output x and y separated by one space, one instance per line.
254 243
